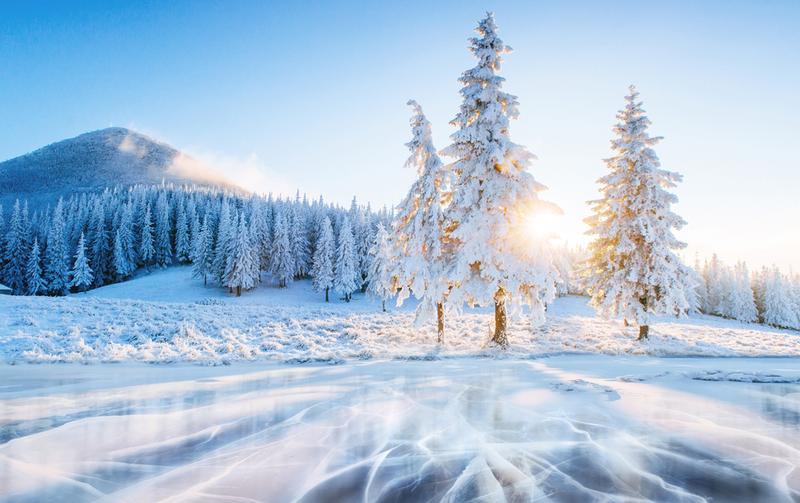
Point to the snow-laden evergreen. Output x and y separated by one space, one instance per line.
56 266
81 274
299 240
243 272
146 248
282 264
494 196
100 252
742 303
163 242
324 255
203 252
35 284
633 270
779 306
183 248
347 277
382 277
16 248
421 234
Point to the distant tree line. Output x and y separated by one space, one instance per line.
767 296
90 240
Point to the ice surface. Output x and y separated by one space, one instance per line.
566 428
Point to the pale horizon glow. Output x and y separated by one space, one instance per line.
312 96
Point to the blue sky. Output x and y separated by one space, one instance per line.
312 95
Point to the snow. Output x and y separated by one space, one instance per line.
168 316
555 428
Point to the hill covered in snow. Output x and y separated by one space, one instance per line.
93 161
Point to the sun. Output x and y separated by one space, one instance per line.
541 226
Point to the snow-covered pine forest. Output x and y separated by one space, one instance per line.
88 241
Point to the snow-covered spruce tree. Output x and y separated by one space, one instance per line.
382 276
421 233
493 197
282 264
56 259
33 271
712 274
163 244
182 243
698 302
263 234
225 230
742 302
146 248
123 251
81 273
347 278
299 240
16 249
632 269
322 268
242 268
726 287
122 268
778 306
99 245
203 252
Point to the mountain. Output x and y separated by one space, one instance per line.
96 160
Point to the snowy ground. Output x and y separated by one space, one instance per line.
167 316
562 428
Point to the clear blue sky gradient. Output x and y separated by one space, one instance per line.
313 94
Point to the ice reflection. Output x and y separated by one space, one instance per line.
390 431
782 403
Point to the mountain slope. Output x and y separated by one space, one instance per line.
96 160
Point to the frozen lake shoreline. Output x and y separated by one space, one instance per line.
564 427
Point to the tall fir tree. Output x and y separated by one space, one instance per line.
146 248
632 270
242 269
182 242
322 268
422 236
16 248
299 241
203 252
35 284
99 244
743 304
56 258
282 265
224 243
346 276
494 197
382 276
163 242
81 273
778 305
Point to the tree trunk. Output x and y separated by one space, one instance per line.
440 323
238 291
204 280
625 322
383 305
500 336
326 293
644 330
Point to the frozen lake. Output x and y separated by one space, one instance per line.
565 428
